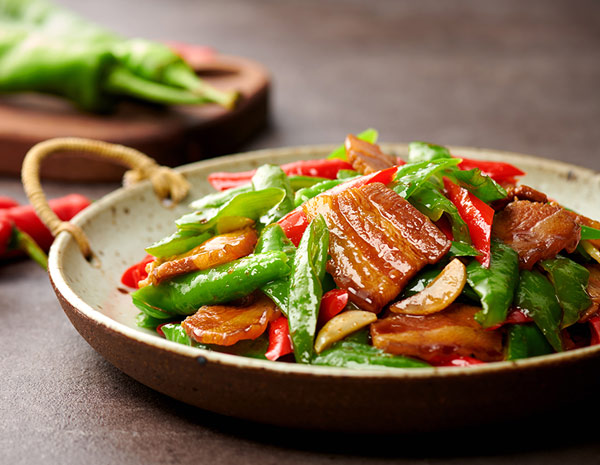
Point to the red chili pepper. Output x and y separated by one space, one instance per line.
135 273
595 330
515 316
385 176
478 216
6 230
497 170
454 361
159 328
294 224
7 202
326 168
280 343
444 225
25 219
332 303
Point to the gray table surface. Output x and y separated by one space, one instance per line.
513 75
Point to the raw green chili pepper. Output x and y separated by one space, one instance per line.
495 285
251 205
177 243
535 294
355 352
272 176
423 151
306 288
570 283
183 295
414 175
526 340
369 135
273 238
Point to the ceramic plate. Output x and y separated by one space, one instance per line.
385 400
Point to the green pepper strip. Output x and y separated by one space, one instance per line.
355 352
570 285
535 294
270 176
309 192
306 289
526 340
273 238
177 243
483 187
495 285
424 151
414 175
183 295
369 135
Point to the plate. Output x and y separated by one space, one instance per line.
385 400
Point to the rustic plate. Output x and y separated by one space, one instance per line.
384 400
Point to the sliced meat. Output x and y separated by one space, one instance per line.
453 331
536 231
366 157
215 251
521 192
593 289
378 241
227 324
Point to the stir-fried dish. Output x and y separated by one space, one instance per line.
365 260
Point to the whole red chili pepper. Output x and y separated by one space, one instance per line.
135 273
280 343
497 170
478 216
7 202
332 303
326 168
25 219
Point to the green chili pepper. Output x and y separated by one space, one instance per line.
309 192
424 151
460 249
183 295
251 205
420 281
148 322
174 332
535 294
274 239
272 176
570 286
432 203
306 288
589 233
495 285
299 182
483 187
177 243
355 352
414 175
369 135
347 174
526 340
218 199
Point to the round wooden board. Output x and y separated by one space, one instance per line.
171 135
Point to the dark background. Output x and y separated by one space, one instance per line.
513 75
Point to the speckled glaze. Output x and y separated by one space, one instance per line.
384 400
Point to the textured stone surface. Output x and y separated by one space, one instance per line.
511 75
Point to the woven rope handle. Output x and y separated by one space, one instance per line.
166 182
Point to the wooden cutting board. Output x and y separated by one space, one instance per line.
172 135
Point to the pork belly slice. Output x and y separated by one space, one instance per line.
521 192
536 231
453 332
377 242
217 250
366 157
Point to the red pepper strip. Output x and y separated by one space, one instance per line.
159 328
7 202
497 170
326 168
294 224
25 219
135 273
478 216
332 303
516 316
444 225
595 330
400 161
454 361
280 343
6 230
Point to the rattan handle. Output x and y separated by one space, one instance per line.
166 182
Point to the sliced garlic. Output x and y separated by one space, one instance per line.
438 294
341 326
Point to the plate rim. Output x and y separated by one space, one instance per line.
61 286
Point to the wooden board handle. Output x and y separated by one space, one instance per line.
167 184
